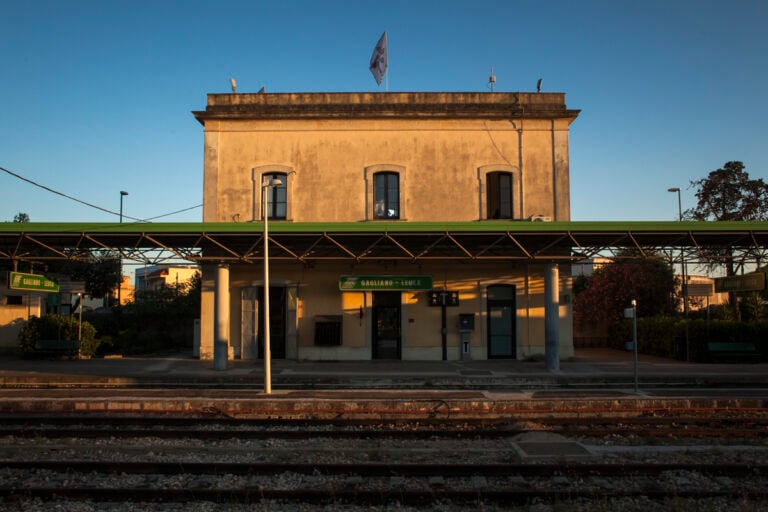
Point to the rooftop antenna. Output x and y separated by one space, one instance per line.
491 80
234 85
538 85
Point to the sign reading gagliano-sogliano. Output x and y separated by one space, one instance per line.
33 282
384 283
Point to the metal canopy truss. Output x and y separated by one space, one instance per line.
378 241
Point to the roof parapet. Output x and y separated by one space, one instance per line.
436 105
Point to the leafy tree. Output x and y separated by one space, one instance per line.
611 288
728 194
6 265
101 275
155 320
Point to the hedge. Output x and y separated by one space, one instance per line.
665 336
57 327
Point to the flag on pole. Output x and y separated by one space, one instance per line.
378 64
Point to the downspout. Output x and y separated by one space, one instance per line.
519 130
528 308
520 167
367 198
555 215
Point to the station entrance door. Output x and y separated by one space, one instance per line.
252 334
502 315
386 325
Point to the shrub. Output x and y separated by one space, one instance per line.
155 321
57 327
657 336
665 336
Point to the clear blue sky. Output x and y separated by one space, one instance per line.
97 94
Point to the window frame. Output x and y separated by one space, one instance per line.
369 176
288 176
273 195
390 190
499 195
484 174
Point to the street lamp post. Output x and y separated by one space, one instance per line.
123 193
267 184
684 286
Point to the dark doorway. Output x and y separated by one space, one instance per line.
277 316
386 325
502 315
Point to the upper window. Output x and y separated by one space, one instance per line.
499 190
277 196
386 195
279 199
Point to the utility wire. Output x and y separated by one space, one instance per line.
173 213
22 178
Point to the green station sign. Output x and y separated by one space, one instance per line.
32 282
384 283
753 282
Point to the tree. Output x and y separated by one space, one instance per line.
728 194
101 275
611 288
7 264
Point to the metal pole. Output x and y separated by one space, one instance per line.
634 337
123 193
684 286
80 320
267 349
444 323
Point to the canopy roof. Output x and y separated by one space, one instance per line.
361 241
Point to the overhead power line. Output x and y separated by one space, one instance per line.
172 213
49 189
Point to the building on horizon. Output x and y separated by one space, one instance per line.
154 277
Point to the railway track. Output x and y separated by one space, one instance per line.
412 484
174 428
230 461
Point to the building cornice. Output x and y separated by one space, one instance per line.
390 105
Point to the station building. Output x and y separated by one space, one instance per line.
380 160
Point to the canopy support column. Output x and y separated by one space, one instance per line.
221 317
552 316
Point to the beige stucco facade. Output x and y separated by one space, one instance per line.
442 150
16 307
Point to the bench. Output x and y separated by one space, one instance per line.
68 348
732 351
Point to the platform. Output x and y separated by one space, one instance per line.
590 368
596 381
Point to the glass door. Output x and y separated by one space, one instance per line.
386 325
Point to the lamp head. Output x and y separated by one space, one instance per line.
674 189
123 193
